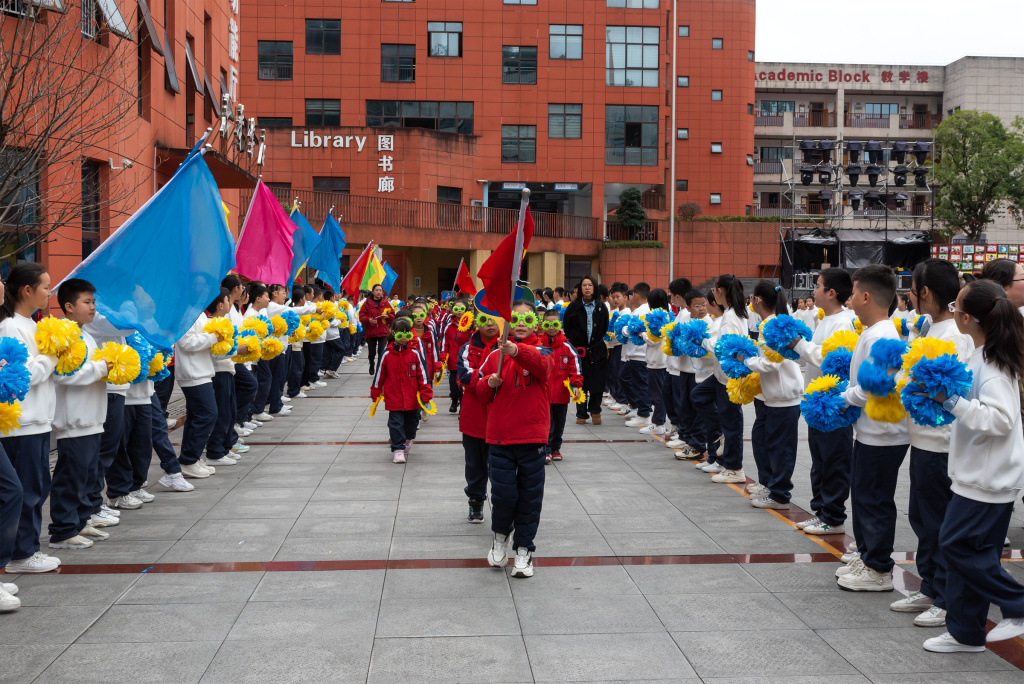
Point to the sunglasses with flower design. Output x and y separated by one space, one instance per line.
404 337
551 325
527 320
419 316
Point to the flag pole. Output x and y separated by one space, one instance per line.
455 287
517 265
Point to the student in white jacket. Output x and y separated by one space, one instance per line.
193 371
245 381
658 382
986 467
220 445
634 366
28 446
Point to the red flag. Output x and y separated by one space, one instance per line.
463 281
354 278
501 270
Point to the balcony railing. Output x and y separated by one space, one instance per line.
768 120
431 216
771 210
813 209
648 232
867 120
922 120
772 167
819 119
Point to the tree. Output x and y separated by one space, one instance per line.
980 170
631 212
67 89
689 211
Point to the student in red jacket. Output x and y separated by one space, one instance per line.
454 339
567 366
473 419
518 420
426 334
401 374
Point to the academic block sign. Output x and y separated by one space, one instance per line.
866 77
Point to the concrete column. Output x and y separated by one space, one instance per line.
476 259
554 269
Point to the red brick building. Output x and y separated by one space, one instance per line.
483 97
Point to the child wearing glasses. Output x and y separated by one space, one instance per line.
427 336
518 422
567 369
402 379
470 358
453 341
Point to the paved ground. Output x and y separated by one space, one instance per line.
317 559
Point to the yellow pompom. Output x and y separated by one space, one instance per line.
430 409
858 326
821 384
744 390
844 339
577 395
54 335
305 320
314 330
343 304
821 314
253 350
257 325
342 319
72 358
221 327
9 416
885 409
927 348
270 348
299 335
156 364
280 326
352 327
466 322
373 406
123 363
327 310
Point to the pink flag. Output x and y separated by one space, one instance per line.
264 250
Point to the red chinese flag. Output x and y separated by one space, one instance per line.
463 281
501 270
354 278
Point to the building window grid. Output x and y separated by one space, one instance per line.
323 112
273 121
449 195
776 107
518 144
682 185
323 36
717 43
716 95
444 38
274 58
519 65
716 148
716 198
397 63
682 134
341 185
565 121
518 2
684 31
447 117
634 4
631 56
631 135
683 81
565 41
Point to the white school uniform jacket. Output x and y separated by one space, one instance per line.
704 366
868 431
614 342
38 407
937 439
103 331
810 351
986 447
674 364
140 394
193 362
81 397
782 384
729 323
237 319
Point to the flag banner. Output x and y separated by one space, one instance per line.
163 266
501 269
464 284
264 251
326 258
305 240
352 280
374 274
389 278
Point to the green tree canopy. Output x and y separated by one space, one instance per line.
631 211
980 170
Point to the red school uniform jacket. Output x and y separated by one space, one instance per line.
400 374
471 357
566 365
428 342
371 309
453 343
519 411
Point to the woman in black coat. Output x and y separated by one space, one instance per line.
589 345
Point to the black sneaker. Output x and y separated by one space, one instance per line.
454 408
476 511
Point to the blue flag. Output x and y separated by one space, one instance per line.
389 279
163 266
304 242
326 258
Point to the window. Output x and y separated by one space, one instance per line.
750 109
336 184
565 121
682 134
631 56
638 4
777 107
750 160
716 148
519 65
682 185
397 63
448 117
774 154
684 31
880 110
21 206
566 42
91 195
515 2
398 0
631 135
447 195
323 112
444 38
275 60
716 43
716 198
286 186
750 55
518 144
683 81
323 36
90 20
273 121
716 95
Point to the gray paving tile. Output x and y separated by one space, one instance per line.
299 621
166 622
606 657
341 527
223 551
330 492
841 609
693 579
699 612
789 679
234 531
114 551
662 543
205 587
47 624
73 590
586 615
783 653
322 586
350 509
431 617
313 549
22 663
440 547
899 650
794 577
992 677
313 660
450 659
577 581
453 524
161 662
446 583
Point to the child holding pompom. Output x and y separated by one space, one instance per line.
194 371
691 437
904 315
634 364
259 300
473 414
567 371
986 467
879 447
454 338
617 301
223 436
659 387
402 378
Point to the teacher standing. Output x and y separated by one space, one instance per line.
376 316
585 324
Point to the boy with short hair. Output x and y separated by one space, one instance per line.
473 414
634 371
566 367
616 303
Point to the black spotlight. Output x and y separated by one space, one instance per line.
808 147
921 150
874 150
872 199
921 177
825 198
853 171
806 174
855 197
899 176
854 147
826 147
900 199
873 172
899 151
825 174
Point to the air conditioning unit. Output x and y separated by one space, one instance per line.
478 210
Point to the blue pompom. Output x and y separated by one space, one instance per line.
146 353
837 363
292 320
919 324
781 331
14 377
620 329
945 374
656 320
692 333
886 354
612 321
634 328
826 411
728 347
902 327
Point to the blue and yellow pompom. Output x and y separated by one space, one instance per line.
920 322
692 334
292 320
873 375
279 326
314 330
14 376
783 330
743 390
258 324
858 327
298 336
654 321
837 363
328 311
270 348
823 406
620 329
726 349
72 358
54 335
844 339
10 415
932 369
887 409
224 329
146 351
635 327
253 350
123 364
157 365
902 327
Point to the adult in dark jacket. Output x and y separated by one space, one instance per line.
376 316
585 324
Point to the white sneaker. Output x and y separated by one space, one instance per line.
866 579
127 502
638 422
176 483
76 542
195 471
803 524
822 528
915 603
104 508
301 395
852 566
171 422
730 477
755 488
264 417
102 519
241 431
614 406
852 546
933 617
523 563
497 557
675 443
1007 628
37 562
222 461
945 643
90 532
251 425
712 467
143 496
653 430
285 399
849 557
308 388
767 502
239 449
630 413
319 383
8 601
398 456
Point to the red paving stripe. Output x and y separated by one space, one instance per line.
567 441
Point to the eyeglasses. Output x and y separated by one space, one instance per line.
483 320
527 320
458 310
404 337
419 316
952 309
551 325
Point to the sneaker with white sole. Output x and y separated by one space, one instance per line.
206 464
127 502
300 395
933 617
285 399
523 567
408 445
251 425
104 508
712 467
675 443
101 519
497 557
8 601
767 502
653 430
638 422
755 488
866 579
1007 628
823 528
849 557
143 496
241 431
319 383
194 471
37 562
91 532
171 422
240 449
398 456
945 643
286 410
813 520
852 566
630 413
263 417
222 461
852 546
76 542
730 477
915 603
176 482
